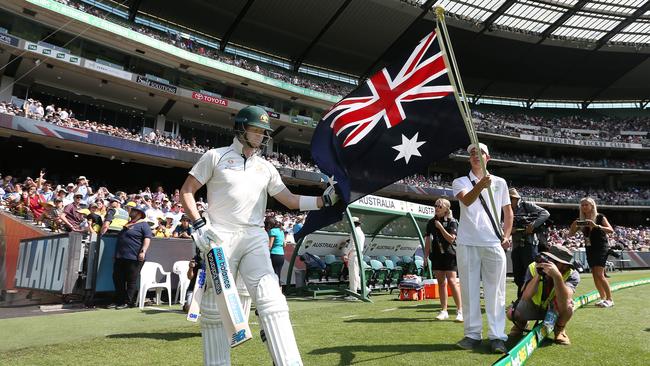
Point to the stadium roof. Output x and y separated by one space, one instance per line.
581 50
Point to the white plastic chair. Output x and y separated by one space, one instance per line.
180 268
148 281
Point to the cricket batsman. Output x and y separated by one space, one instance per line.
238 181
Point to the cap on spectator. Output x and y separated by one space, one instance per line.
560 254
131 204
165 199
114 199
78 195
81 177
185 217
70 185
483 147
355 220
57 200
513 193
61 190
169 215
93 205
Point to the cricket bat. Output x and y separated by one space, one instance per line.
197 294
230 307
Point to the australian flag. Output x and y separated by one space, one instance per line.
394 125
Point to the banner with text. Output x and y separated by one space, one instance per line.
590 143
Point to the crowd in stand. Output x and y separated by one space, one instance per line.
78 207
623 238
433 181
573 161
564 195
565 127
190 44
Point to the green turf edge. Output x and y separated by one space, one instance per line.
522 351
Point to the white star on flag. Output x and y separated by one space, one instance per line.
408 148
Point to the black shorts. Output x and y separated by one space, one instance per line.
596 257
443 262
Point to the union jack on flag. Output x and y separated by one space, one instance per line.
394 125
418 79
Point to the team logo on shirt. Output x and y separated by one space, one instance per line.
230 161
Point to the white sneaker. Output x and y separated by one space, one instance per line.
444 315
459 316
607 304
599 303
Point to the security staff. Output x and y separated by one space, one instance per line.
529 218
116 216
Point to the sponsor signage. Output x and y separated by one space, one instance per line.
105 69
590 143
390 204
388 246
321 244
156 85
209 99
8 39
49 264
49 52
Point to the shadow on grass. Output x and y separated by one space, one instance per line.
156 311
647 329
170 337
389 320
347 353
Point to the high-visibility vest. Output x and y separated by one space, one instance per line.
537 297
120 218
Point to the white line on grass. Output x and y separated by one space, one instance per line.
348 316
389 309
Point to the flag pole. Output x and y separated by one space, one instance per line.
459 93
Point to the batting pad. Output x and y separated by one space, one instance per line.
274 319
216 345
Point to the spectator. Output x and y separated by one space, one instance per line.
276 246
184 230
154 212
36 203
73 219
95 221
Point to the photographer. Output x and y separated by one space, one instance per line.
529 219
595 227
550 284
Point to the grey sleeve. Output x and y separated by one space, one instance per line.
542 213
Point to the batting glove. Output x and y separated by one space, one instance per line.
204 235
329 196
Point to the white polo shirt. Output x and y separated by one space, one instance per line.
474 227
237 187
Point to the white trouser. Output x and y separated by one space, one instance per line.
476 263
249 258
353 271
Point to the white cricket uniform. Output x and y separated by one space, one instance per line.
237 193
480 257
353 262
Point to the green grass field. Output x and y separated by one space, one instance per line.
329 332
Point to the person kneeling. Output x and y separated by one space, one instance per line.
549 286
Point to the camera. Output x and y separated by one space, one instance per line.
541 258
582 223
